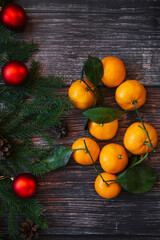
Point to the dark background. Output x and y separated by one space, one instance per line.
67 31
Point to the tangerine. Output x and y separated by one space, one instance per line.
103 131
105 191
113 158
82 156
136 140
129 93
114 71
81 95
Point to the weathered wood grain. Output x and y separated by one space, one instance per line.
67 31
90 237
66 39
69 195
109 6
94 237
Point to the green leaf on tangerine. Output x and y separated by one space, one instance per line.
59 157
133 161
137 179
93 69
103 114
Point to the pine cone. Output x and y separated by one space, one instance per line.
60 130
4 148
29 230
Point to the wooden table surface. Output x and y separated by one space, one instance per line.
67 31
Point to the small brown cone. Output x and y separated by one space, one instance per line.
60 131
5 148
29 230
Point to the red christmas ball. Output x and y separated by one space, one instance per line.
13 16
14 73
24 185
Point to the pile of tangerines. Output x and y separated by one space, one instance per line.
139 138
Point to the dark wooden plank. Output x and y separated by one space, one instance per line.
69 195
97 237
67 32
85 6
66 40
91 237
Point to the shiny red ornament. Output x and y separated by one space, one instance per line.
14 73
13 16
24 185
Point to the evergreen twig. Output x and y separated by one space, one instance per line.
26 112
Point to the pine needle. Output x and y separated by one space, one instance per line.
26 112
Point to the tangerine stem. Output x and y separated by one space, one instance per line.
138 115
111 182
132 108
79 149
94 164
82 79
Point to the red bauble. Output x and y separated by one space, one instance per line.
24 185
14 73
13 16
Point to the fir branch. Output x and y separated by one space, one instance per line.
1 236
7 195
13 221
26 111
34 73
42 168
28 167
31 204
18 119
50 82
10 102
6 35
14 168
37 106
34 211
30 208
44 98
3 208
19 50
45 136
25 151
25 158
5 2
3 58
23 132
6 183
5 170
